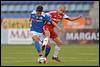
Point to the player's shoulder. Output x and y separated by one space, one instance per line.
33 12
53 11
45 14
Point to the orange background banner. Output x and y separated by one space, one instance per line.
75 24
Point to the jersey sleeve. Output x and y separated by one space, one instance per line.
48 18
48 14
65 16
33 12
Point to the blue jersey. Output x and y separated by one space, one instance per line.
39 21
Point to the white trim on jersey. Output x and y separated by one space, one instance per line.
65 16
43 14
48 14
33 12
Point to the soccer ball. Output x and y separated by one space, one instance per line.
41 60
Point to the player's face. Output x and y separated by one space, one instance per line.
61 10
38 13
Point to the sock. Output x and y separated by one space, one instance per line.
43 47
38 47
56 51
45 41
48 48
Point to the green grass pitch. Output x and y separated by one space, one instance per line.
70 55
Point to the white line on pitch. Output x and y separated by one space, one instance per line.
76 58
19 53
82 60
87 53
15 61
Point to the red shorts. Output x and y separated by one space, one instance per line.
53 34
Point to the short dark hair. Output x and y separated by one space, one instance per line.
39 8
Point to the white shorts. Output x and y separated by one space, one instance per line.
40 35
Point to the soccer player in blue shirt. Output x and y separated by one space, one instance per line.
38 19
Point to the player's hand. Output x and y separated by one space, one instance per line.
60 30
56 20
80 16
30 24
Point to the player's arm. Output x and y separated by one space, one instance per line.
72 18
55 24
56 20
30 21
30 18
52 21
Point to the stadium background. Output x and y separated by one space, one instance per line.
15 25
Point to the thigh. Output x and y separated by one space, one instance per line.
35 35
58 41
46 31
53 34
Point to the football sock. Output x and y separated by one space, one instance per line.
43 47
48 48
56 51
45 41
38 47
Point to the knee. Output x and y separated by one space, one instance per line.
48 46
47 33
59 43
35 38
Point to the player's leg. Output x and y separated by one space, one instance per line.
37 44
47 34
36 39
47 43
45 40
58 42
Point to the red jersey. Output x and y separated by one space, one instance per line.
56 17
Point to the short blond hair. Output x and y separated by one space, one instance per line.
61 6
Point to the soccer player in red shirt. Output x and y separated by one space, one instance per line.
57 16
